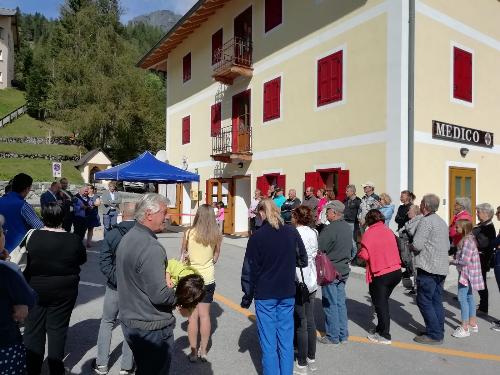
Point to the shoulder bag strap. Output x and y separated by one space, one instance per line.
298 255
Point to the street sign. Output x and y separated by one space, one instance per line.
56 169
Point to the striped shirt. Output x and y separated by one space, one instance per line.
468 263
30 217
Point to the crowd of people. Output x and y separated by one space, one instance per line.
279 260
281 273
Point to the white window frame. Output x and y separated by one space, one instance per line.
276 28
452 68
279 119
324 107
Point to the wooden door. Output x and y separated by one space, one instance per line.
243 37
462 184
222 190
241 122
175 212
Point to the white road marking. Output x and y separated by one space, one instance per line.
92 284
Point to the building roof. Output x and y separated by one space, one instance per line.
88 156
7 12
199 13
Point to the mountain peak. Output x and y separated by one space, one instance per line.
163 19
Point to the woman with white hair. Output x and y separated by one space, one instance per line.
386 207
268 277
462 211
485 235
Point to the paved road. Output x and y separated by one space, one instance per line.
235 348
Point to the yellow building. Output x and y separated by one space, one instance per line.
404 93
9 40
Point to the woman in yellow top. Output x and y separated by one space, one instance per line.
201 248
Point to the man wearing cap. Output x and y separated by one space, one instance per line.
369 201
335 241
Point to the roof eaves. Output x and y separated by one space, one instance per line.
174 28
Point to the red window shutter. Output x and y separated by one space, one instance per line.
262 185
208 192
216 45
186 67
313 179
274 14
272 99
330 78
215 119
186 131
343 181
281 182
462 74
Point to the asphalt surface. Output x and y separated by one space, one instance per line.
235 346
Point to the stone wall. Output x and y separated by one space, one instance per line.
41 140
15 155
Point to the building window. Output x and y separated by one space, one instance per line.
215 119
272 90
186 130
1 55
216 45
462 74
273 14
330 78
186 67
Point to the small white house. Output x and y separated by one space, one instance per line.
92 162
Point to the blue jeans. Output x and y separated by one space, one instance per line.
109 219
333 300
354 249
152 349
108 320
467 304
430 302
275 326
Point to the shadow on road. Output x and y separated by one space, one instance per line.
249 342
81 338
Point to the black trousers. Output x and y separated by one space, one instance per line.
305 330
80 226
51 320
381 288
483 294
152 349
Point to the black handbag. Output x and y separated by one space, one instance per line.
301 291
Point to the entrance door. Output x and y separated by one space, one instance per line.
175 196
222 190
241 122
243 37
462 184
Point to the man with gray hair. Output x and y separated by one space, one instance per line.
352 203
107 263
289 205
430 245
144 299
336 241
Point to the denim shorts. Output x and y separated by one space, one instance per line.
209 293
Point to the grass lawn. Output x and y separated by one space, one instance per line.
23 148
40 170
10 99
27 126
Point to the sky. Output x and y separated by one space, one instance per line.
131 8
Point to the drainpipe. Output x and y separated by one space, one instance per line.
411 93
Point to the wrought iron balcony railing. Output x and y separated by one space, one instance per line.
233 59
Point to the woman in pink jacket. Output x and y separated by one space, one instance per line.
383 270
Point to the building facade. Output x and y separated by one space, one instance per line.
9 40
298 93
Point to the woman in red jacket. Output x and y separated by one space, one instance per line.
383 270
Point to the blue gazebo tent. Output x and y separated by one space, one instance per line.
146 168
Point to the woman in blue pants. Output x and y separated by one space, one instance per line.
268 276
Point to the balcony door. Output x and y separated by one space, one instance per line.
243 37
462 184
241 122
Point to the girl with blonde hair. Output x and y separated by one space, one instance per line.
268 277
201 248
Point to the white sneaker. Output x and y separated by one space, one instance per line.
474 329
375 337
461 332
300 370
496 326
311 363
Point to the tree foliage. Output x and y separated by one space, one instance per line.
83 73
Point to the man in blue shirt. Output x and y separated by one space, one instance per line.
19 215
51 195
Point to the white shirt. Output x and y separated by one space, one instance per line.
310 238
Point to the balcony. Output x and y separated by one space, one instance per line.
234 60
229 146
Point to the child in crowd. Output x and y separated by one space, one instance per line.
219 216
470 278
189 286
